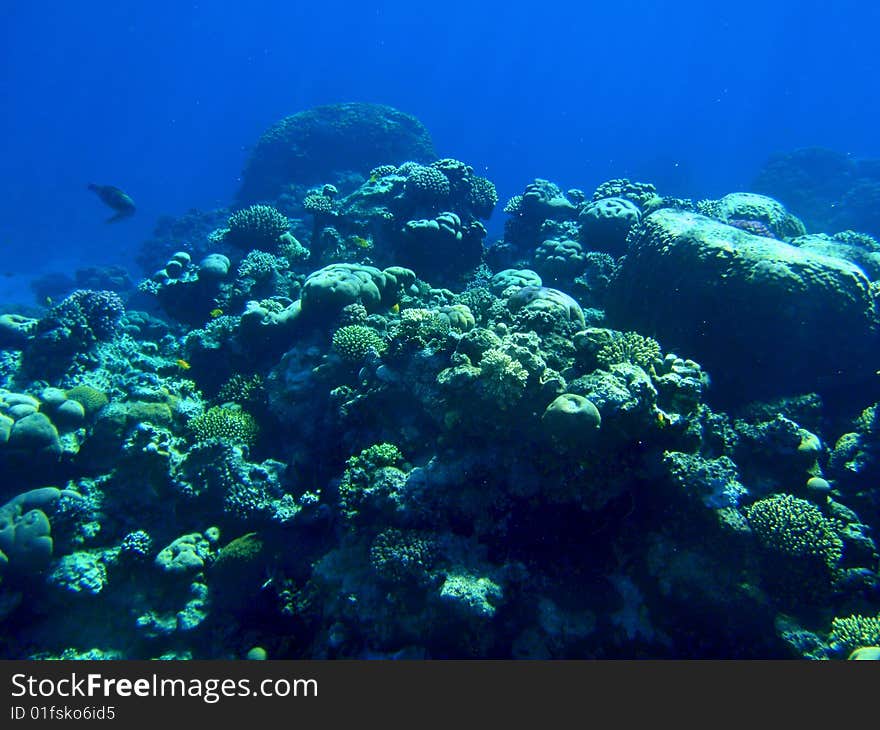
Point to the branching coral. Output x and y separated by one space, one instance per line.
854 631
503 378
795 528
258 226
629 347
226 423
352 342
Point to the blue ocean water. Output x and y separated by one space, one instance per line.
164 99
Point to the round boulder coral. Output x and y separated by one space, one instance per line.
546 298
34 436
15 329
25 532
513 277
328 291
571 421
605 224
312 146
214 267
757 208
560 259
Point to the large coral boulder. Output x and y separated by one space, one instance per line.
326 291
764 316
25 530
310 147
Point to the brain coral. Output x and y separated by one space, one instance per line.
92 399
605 224
327 291
25 532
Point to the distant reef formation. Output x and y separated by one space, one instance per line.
829 190
317 144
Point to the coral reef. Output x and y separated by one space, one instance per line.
332 423
829 190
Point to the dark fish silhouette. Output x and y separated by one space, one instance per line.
116 199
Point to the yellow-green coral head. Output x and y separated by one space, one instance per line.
866 653
227 423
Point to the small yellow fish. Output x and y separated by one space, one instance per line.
49 301
373 178
395 308
183 364
215 313
362 242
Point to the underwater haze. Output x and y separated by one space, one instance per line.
448 330
165 99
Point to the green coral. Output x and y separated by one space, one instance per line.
318 203
421 327
158 414
260 265
503 378
292 250
854 238
514 205
352 342
373 482
375 457
81 572
483 196
403 556
228 423
91 399
854 631
796 528
471 594
241 551
866 422
243 389
629 347
256 226
642 194
426 184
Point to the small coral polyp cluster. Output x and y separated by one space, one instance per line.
342 425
